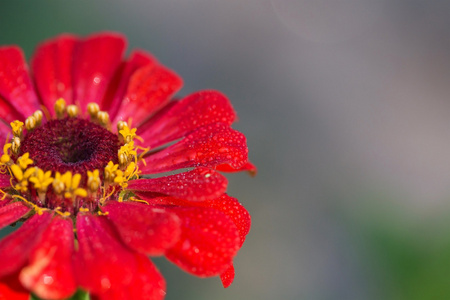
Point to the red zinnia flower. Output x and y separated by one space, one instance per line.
88 184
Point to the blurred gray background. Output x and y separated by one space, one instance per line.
346 107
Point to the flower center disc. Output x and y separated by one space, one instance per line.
71 144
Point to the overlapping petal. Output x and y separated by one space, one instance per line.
197 185
16 247
95 61
144 228
11 289
194 111
105 267
150 87
49 273
118 86
12 212
208 146
16 88
209 240
52 68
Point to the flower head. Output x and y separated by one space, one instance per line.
90 135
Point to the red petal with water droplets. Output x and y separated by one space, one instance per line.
147 229
116 91
147 284
249 167
52 68
225 204
149 89
227 277
208 146
196 110
94 63
12 212
209 240
16 247
232 208
15 83
197 185
102 261
49 273
11 289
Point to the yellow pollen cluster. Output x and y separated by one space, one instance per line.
25 177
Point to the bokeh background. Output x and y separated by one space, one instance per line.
346 107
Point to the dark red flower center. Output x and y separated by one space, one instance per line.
71 144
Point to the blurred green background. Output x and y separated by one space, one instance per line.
346 107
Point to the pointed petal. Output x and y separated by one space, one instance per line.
15 83
52 69
11 289
227 277
142 227
209 240
249 167
116 90
95 61
16 247
197 185
208 146
49 273
12 212
196 110
147 284
102 262
236 211
149 89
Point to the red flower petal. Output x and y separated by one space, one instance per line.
225 204
227 277
102 262
11 289
7 114
52 68
15 248
147 284
50 273
232 208
15 83
208 146
249 167
196 110
149 89
95 62
12 212
144 228
209 241
197 185
116 90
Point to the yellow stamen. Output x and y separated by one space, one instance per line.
93 109
121 125
103 118
41 180
17 128
30 123
128 134
72 111
38 115
15 145
93 182
60 108
24 161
